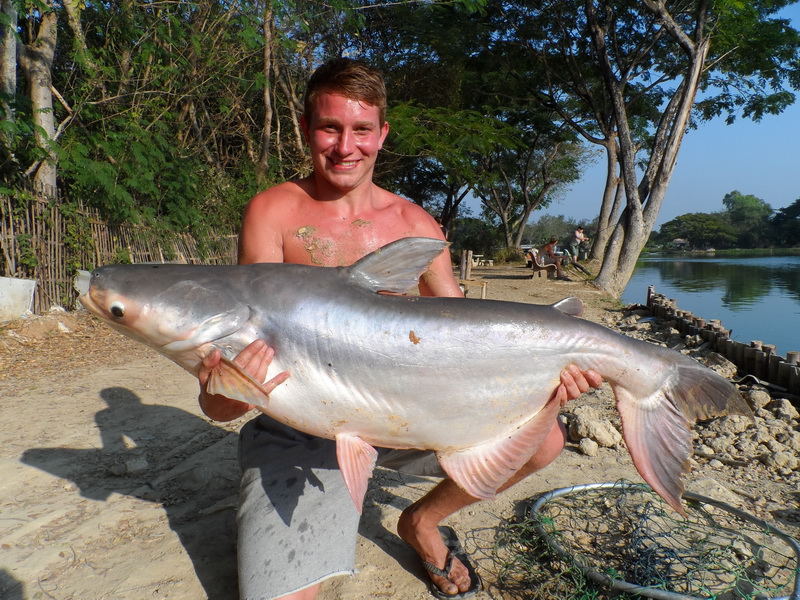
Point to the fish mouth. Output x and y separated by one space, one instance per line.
88 303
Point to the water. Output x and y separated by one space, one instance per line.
757 297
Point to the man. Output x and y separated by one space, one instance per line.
572 248
574 242
549 255
297 523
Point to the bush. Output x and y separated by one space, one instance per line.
508 255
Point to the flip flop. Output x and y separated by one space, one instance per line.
455 549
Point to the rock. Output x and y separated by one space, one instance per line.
791 439
136 465
589 447
586 423
730 424
783 409
117 470
721 444
713 489
757 398
780 460
720 364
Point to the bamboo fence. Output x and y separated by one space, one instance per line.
38 241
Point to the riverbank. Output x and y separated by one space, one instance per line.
115 484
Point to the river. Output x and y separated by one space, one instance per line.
757 297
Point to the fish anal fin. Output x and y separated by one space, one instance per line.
482 470
659 440
356 462
232 382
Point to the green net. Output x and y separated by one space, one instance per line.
586 541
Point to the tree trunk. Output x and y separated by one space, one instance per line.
8 59
36 60
262 166
610 207
643 200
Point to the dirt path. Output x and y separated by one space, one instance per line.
114 485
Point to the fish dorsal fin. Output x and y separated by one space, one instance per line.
570 306
396 267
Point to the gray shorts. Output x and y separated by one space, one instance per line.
297 523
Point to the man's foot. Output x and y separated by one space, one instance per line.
426 539
455 552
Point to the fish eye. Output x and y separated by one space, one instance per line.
117 309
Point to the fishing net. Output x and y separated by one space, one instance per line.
623 537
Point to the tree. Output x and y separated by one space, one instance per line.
749 216
518 180
626 74
36 55
701 230
459 135
785 225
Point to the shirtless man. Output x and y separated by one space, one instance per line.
297 523
549 257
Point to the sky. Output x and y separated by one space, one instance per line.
760 159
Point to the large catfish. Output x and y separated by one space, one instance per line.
469 379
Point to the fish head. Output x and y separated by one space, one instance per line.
179 310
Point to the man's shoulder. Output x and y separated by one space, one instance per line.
407 208
280 196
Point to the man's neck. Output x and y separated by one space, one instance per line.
359 198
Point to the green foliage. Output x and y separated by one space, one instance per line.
77 235
540 231
750 217
747 222
474 234
785 226
701 230
163 116
28 258
508 255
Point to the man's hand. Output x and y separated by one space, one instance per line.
255 360
575 382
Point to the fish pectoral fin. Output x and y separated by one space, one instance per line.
232 382
482 470
659 440
356 462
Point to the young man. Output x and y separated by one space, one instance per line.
297 523
549 256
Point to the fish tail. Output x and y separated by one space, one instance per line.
657 428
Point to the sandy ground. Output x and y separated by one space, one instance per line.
114 485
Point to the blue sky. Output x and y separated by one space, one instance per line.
762 159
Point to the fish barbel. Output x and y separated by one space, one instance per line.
468 379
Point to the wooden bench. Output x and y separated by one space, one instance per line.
539 269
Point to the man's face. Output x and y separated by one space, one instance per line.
344 136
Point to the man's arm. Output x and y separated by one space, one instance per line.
257 243
259 238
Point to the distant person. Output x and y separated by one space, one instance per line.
572 248
549 254
445 233
573 243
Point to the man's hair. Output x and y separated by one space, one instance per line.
350 78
